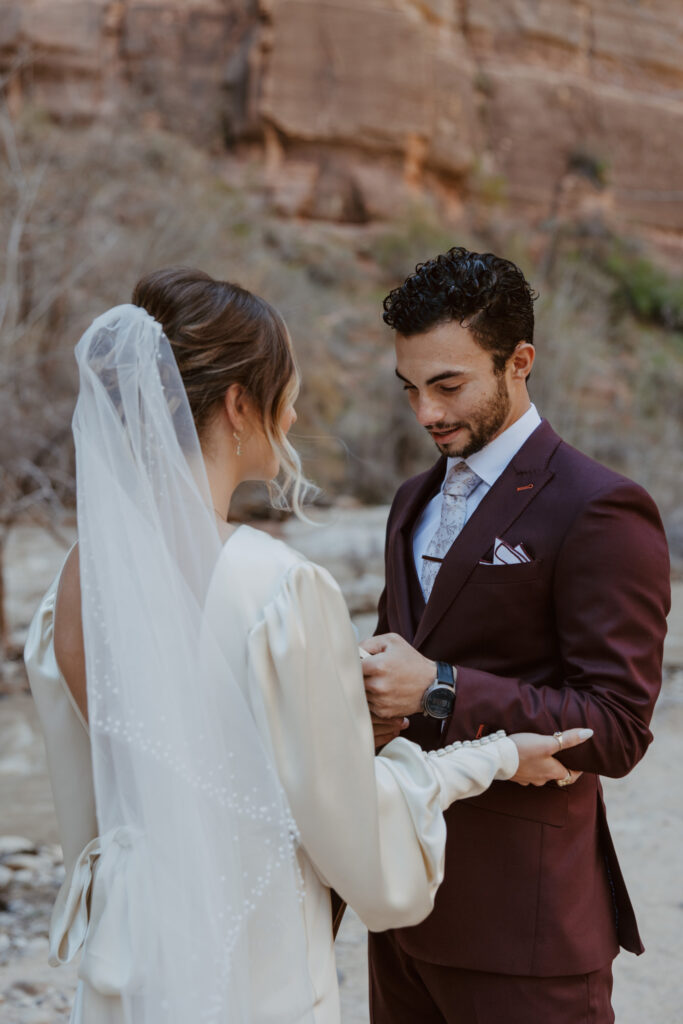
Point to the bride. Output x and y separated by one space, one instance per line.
200 691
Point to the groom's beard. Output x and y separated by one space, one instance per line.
482 426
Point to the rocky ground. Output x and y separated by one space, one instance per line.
646 809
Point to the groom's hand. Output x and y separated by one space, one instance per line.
396 676
387 729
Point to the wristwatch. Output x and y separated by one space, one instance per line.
439 698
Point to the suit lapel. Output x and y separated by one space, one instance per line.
519 484
408 593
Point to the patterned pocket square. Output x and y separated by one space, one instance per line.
504 554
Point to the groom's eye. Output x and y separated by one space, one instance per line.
455 388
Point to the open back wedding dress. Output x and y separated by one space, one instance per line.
215 795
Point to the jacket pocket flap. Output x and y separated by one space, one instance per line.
518 573
546 804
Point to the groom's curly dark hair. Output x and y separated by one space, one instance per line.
485 293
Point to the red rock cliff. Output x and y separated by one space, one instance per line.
574 102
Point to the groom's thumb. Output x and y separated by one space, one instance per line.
374 645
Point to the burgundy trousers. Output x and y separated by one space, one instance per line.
404 990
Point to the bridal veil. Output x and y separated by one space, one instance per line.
204 879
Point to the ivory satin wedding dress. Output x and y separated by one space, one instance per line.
369 826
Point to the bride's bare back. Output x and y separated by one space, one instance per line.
68 631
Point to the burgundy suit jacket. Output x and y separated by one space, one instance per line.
572 638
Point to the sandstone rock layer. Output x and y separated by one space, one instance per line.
358 104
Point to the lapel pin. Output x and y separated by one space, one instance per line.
526 487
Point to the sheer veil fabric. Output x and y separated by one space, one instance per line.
204 881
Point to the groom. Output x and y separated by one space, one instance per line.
526 589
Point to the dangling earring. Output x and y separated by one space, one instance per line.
239 441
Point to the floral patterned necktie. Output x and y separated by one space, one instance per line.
459 484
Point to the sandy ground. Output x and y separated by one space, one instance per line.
645 810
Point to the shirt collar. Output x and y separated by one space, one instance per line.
490 461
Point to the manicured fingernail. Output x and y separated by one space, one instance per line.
405 724
585 734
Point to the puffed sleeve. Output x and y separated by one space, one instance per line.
371 825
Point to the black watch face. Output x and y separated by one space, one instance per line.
439 703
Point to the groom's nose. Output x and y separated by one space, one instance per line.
428 411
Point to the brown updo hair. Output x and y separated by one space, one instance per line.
222 334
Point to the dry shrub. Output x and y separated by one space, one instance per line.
611 384
85 211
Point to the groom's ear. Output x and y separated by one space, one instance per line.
522 360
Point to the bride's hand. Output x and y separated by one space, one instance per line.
537 761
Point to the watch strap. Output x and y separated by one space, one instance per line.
445 674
